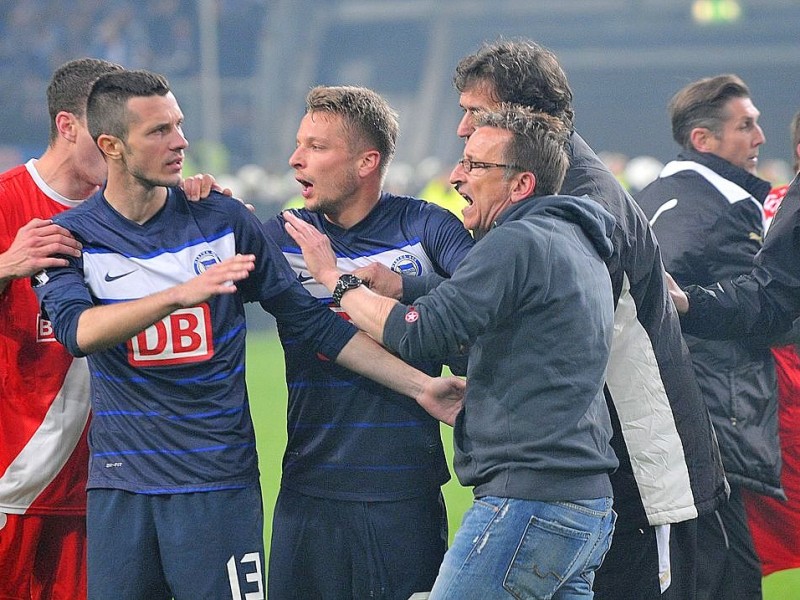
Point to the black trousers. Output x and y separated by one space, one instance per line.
727 564
630 569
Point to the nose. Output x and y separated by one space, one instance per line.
457 174
182 143
760 137
295 159
466 126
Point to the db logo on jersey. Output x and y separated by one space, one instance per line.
181 337
44 330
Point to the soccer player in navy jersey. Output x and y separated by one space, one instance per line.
156 301
360 512
44 454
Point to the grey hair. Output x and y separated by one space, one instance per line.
538 143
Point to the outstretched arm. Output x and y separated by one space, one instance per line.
441 397
101 327
303 317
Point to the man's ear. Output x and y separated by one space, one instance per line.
110 146
369 161
524 186
702 139
67 125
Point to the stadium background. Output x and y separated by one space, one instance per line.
241 69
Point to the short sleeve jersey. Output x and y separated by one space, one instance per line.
349 438
171 410
44 392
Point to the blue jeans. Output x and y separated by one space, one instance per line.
508 548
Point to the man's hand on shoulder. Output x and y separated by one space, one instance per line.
198 187
39 244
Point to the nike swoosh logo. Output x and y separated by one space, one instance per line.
110 277
302 278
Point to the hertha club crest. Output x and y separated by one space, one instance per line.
204 260
407 264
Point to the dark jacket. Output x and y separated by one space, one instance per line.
708 217
533 301
670 467
766 300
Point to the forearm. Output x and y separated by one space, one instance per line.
740 308
366 309
102 327
7 272
365 357
414 287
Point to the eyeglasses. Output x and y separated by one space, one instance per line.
468 165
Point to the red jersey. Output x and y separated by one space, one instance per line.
772 202
44 391
775 525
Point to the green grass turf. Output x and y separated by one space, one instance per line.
783 585
267 389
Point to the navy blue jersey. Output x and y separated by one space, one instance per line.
350 438
170 406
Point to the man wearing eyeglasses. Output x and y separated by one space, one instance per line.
533 301
664 481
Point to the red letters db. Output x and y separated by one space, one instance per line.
44 330
182 337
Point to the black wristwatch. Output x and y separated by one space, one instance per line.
348 281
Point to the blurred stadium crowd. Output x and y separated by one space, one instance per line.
36 36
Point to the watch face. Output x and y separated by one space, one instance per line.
348 281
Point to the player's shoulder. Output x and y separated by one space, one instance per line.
413 207
14 173
403 202
15 180
87 210
214 199
216 206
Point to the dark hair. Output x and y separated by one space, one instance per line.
520 72
368 118
795 131
703 103
70 86
106 107
538 144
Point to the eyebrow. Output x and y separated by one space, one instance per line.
310 139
